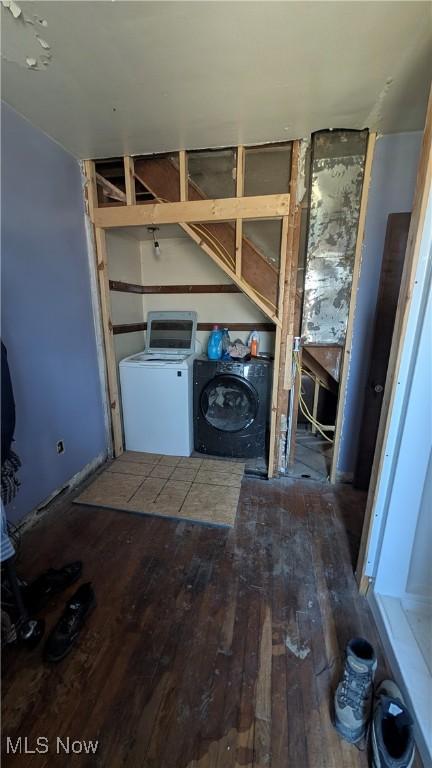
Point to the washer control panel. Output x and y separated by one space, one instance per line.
230 367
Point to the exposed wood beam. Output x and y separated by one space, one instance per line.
240 171
315 404
287 304
110 189
274 420
129 180
91 188
102 266
116 285
239 222
268 310
260 207
314 366
161 177
265 327
238 247
282 265
416 233
183 173
346 355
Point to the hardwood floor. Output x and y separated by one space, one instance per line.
209 647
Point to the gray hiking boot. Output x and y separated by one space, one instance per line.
354 693
392 736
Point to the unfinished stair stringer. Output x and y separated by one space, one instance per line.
258 279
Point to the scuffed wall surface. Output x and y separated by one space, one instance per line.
334 209
47 316
391 191
124 264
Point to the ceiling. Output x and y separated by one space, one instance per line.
112 78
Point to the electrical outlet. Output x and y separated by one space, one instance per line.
60 446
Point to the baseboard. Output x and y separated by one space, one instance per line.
407 665
35 515
344 477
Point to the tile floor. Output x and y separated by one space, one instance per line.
189 488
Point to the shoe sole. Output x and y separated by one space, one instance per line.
54 659
342 733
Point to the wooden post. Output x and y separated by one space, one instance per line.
315 404
239 222
183 173
92 195
353 300
102 267
287 292
416 231
129 180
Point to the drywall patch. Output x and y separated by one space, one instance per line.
22 43
375 116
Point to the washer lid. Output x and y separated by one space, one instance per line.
171 332
158 360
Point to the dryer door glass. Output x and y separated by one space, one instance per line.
229 403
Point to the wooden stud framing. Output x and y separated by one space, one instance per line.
282 265
274 405
315 403
92 196
275 420
250 293
239 222
287 292
238 247
186 213
422 191
194 211
349 332
240 166
110 189
183 172
129 180
102 266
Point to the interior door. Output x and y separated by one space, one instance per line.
391 274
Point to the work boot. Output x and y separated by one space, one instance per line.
392 726
66 631
354 693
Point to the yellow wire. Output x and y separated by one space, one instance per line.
224 254
303 406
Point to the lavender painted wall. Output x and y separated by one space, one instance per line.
391 190
47 318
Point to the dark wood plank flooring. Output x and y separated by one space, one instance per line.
209 647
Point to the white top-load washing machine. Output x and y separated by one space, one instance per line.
156 387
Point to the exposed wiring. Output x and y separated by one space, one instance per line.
302 403
223 253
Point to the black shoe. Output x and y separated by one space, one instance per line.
392 729
50 583
66 631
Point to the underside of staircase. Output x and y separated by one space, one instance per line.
161 177
324 363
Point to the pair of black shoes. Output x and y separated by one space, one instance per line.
63 636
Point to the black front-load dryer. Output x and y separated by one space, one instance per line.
231 406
